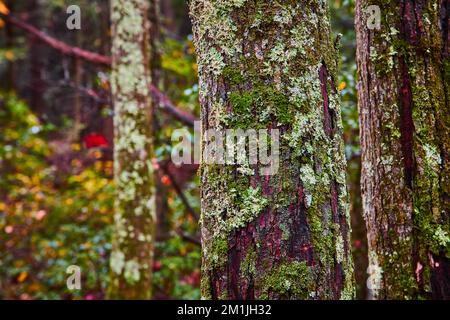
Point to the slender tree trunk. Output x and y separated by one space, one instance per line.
162 206
167 8
78 99
135 213
404 118
10 84
284 236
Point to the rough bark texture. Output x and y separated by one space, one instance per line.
404 118
132 255
272 65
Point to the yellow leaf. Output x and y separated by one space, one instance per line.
342 86
177 54
98 165
19 263
34 287
87 245
3 8
76 163
9 55
22 276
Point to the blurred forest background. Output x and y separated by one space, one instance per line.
56 190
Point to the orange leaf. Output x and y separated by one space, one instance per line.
22 276
3 8
2 23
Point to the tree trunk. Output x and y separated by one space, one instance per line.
37 83
404 118
78 99
132 255
283 236
162 192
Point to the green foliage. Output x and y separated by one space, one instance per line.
51 219
48 220
179 269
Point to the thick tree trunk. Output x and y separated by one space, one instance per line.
132 255
37 84
404 118
267 65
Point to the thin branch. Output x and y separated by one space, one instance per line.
59 45
169 108
85 91
188 238
180 193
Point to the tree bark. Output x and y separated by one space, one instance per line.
285 236
78 98
162 205
135 212
404 119
11 69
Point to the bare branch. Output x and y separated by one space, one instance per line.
59 45
180 193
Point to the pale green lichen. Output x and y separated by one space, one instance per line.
117 261
441 237
132 273
134 215
374 272
251 203
339 248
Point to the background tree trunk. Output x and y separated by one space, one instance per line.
404 119
10 74
162 192
78 99
273 66
37 85
132 255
